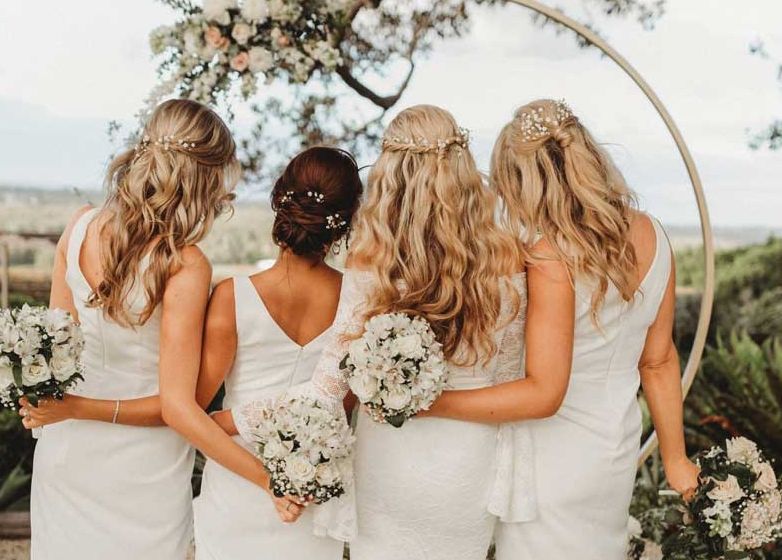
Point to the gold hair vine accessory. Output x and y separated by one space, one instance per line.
424 146
166 142
534 126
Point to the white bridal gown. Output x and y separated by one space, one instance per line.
102 490
435 488
235 519
585 455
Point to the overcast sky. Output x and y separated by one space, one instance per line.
81 63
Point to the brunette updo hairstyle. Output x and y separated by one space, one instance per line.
314 200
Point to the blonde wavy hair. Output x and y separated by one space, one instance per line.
558 183
428 235
163 195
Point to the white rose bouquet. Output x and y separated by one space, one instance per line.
305 448
396 368
40 354
736 509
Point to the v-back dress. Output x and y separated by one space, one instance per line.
104 490
435 488
234 519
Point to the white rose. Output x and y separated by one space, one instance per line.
773 503
62 364
255 10
727 491
767 480
398 397
409 346
742 450
261 59
217 10
6 372
754 519
242 33
37 371
275 448
299 469
365 386
326 474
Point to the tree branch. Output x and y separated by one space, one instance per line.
385 102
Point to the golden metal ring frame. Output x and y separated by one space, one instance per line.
707 298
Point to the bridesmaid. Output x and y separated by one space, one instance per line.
109 479
264 334
558 184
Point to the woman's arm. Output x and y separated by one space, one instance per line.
181 337
135 412
549 355
662 386
220 341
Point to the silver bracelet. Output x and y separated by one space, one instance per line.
116 412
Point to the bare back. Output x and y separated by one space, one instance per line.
301 300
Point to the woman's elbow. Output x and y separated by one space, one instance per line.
173 412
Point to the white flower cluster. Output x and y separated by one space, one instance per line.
229 39
396 368
40 353
746 504
306 449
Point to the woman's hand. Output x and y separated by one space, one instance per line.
48 411
289 508
683 476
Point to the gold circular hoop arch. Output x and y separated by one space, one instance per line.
693 362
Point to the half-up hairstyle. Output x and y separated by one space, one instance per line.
163 195
428 236
558 183
314 200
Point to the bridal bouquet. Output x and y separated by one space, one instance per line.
396 368
305 448
40 353
736 509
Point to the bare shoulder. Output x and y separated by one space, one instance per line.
194 264
641 227
223 294
66 234
547 261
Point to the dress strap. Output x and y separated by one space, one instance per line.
657 277
75 242
245 306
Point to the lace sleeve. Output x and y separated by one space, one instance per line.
510 357
328 384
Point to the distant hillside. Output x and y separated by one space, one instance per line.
48 210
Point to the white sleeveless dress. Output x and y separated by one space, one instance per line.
435 488
585 455
234 519
101 490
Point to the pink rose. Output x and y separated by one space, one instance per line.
283 41
215 39
240 62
